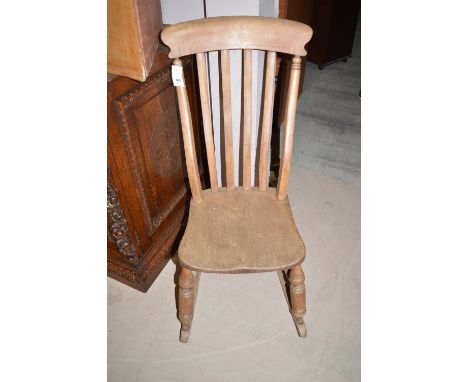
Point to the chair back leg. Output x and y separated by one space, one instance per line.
294 293
298 301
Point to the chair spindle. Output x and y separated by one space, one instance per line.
247 137
267 117
227 117
207 124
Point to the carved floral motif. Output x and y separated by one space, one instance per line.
119 227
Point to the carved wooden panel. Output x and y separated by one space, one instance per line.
147 166
118 227
149 121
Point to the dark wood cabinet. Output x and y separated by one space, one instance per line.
147 192
334 24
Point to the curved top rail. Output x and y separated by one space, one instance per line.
236 32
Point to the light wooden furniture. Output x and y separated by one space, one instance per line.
239 229
133 28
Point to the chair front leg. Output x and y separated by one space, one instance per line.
186 303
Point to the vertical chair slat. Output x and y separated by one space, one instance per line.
189 142
227 118
207 124
266 120
247 137
289 122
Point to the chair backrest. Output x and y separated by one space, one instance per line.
247 33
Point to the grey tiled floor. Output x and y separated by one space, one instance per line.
328 123
242 330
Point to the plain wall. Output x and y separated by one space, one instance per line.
177 11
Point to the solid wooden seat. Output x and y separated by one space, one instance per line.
236 231
239 229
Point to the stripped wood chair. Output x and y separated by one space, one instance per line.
239 229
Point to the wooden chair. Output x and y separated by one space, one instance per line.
239 229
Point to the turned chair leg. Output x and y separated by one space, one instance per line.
298 300
186 302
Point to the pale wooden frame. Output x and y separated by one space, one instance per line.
224 34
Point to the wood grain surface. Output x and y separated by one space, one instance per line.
236 32
238 231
